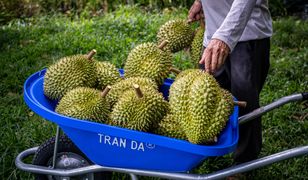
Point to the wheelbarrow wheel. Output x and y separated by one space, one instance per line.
68 157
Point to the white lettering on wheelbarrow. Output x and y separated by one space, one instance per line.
134 146
113 141
123 143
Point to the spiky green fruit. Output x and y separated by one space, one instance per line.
193 101
186 72
228 102
177 33
196 46
139 112
68 73
147 60
179 93
107 74
84 103
169 126
120 87
223 111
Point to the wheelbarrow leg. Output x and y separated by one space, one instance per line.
56 148
133 176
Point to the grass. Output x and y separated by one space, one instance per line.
29 45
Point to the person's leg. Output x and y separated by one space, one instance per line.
249 63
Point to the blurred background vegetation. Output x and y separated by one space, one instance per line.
10 9
36 33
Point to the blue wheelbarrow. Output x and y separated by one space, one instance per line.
87 149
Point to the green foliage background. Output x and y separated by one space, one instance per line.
10 9
28 45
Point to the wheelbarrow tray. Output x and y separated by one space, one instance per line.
112 146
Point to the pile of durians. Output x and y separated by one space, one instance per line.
93 90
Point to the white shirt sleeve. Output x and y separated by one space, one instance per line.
234 24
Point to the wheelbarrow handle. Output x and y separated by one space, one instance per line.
295 152
264 109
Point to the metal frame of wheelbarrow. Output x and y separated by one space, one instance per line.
298 151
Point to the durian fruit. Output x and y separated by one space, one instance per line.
178 93
196 46
170 127
179 74
120 87
227 104
85 103
223 111
149 60
177 33
185 72
139 110
107 74
69 73
193 101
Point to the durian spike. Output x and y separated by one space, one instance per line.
91 54
212 141
138 90
162 44
240 103
105 91
175 70
215 139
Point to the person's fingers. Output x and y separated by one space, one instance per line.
225 54
221 58
208 60
201 14
202 60
191 9
197 17
192 12
214 60
195 9
190 20
219 52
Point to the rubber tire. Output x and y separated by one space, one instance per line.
45 152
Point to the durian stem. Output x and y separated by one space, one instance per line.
202 23
175 70
105 91
240 103
163 44
91 54
138 91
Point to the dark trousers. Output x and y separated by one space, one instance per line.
244 74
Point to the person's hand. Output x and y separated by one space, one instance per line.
195 13
214 55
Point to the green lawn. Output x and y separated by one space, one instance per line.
27 46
